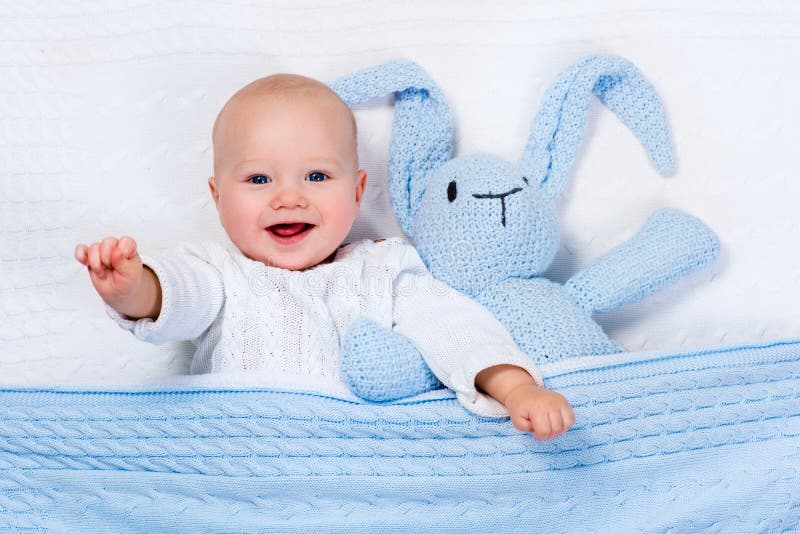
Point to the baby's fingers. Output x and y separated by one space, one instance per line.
521 422
541 426
128 247
556 424
82 254
124 251
106 246
568 416
95 264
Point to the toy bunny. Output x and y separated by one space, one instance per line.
487 227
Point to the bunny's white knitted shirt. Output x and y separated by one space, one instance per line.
245 316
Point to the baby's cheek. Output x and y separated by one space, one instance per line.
238 220
345 217
335 205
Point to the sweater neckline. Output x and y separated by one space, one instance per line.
342 253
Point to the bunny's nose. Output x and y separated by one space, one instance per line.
502 197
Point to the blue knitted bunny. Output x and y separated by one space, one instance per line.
487 228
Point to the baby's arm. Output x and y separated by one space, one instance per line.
532 408
472 353
174 297
120 278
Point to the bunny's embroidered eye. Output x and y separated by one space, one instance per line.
451 191
525 179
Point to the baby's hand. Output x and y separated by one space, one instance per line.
543 412
114 267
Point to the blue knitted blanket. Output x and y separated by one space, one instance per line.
663 442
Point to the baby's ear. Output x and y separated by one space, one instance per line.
361 183
212 185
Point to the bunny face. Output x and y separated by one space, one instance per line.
480 219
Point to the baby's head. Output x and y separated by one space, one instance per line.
286 180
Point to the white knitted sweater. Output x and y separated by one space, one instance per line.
244 316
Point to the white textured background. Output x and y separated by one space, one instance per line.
106 110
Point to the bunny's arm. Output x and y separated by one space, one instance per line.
670 245
380 365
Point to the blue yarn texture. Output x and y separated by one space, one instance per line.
684 442
487 227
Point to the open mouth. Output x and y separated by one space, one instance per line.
288 233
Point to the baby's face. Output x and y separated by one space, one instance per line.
287 184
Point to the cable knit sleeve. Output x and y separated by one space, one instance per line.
192 295
457 336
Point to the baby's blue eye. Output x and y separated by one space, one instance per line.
316 177
258 179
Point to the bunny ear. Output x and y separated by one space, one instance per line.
422 131
558 128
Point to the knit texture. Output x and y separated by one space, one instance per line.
487 227
247 317
711 437
365 339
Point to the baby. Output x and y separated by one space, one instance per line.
279 296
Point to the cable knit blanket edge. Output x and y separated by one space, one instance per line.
666 442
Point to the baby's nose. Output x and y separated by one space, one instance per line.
289 196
